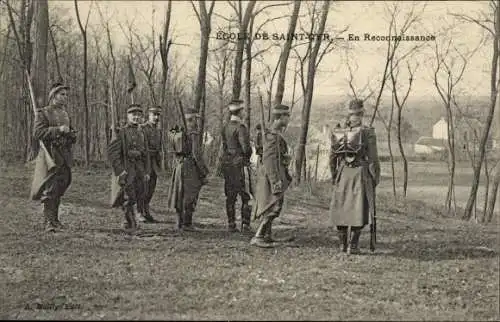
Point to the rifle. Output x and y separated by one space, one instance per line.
373 226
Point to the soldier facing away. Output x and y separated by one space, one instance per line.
190 172
56 137
131 167
355 170
236 153
154 147
273 178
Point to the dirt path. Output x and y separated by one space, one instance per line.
425 268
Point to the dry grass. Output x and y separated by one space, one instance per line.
426 267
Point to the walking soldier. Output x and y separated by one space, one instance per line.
190 172
154 147
236 153
56 137
355 173
273 178
131 167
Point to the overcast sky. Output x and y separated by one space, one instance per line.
359 17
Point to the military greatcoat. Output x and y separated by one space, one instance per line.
154 140
53 164
353 193
189 174
273 177
127 152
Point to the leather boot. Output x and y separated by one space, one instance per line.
147 214
188 220
49 213
246 212
259 239
57 222
354 247
231 217
179 225
269 234
342 232
130 218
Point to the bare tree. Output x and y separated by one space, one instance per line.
491 25
400 104
280 89
314 58
394 42
165 43
86 125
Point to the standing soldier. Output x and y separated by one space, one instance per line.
131 167
56 137
154 146
258 143
190 172
355 173
236 153
273 178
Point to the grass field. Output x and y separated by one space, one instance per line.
426 266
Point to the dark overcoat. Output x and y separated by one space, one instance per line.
353 193
272 173
55 149
189 174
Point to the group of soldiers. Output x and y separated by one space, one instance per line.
135 154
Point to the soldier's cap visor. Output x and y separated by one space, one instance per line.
154 110
135 108
281 110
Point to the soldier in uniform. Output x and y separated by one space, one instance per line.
190 172
236 153
273 178
258 143
131 166
154 146
56 137
355 173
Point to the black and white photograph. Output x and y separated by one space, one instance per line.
250 160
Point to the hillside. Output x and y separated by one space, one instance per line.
426 266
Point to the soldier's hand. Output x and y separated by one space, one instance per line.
122 178
147 177
64 129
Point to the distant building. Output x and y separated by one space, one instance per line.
467 132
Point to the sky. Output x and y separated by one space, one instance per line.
367 57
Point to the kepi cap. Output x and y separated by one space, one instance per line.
56 87
191 113
355 106
154 109
281 110
134 108
235 105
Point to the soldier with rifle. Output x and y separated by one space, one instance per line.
131 167
154 147
190 172
236 153
273 179
55 137
355 170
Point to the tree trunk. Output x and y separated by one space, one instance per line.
86 125
240 46
280 89
306 110
489 120
402 152
389 146
494 194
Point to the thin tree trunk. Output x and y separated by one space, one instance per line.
489 120
389 146
280 89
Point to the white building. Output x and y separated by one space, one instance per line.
440 129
